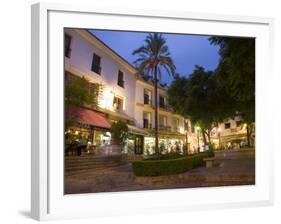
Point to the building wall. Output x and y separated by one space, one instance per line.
234 129
140 107
139 103
83 46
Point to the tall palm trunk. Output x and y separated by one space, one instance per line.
156 110
155 52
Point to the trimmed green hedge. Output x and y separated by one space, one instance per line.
169 166
165 156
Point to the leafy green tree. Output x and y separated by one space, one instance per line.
119 132
80 92
200 98
236 71
153 57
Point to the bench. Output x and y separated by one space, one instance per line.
209 161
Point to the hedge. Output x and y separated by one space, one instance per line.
165 156
169 166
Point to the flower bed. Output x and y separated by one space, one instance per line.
168 166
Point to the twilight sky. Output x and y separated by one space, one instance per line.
186 50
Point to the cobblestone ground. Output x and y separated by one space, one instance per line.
233 168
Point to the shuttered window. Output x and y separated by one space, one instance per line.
96 64
120 81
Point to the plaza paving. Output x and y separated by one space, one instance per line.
233 168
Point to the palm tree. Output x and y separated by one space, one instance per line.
154 56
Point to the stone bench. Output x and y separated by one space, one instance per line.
209 162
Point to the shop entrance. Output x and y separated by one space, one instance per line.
139 145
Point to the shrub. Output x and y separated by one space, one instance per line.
119 132
168 166
164 156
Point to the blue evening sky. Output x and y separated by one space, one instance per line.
186 50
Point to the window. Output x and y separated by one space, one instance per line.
96 64
146 120
186 125
238 123
176 124
163 121
227 125
162 101
146 96
117 103
120 81
67 43
139 145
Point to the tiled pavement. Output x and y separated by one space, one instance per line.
233 168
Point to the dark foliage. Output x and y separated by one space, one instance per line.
202 99
236 71
119 132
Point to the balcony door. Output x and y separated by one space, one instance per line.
146 120
147 96
162 121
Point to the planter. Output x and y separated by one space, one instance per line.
169 166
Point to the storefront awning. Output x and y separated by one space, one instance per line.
234 138
137 131
86 116
115 115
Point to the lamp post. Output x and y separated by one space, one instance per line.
186 142
198 129
186 135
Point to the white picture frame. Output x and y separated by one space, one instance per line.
48 201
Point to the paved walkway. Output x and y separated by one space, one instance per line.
233 168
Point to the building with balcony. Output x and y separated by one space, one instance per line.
232 133
124 97
87 56
172 128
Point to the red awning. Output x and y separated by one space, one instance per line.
86 116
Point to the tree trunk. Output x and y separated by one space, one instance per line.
209 136
248 135
204 136
156 110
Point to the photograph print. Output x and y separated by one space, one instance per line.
150 111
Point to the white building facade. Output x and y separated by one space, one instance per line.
231 134
124 97
92 59
173 128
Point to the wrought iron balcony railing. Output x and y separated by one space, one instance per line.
164 128
176 129
147 101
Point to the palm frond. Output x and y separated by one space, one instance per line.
154 54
